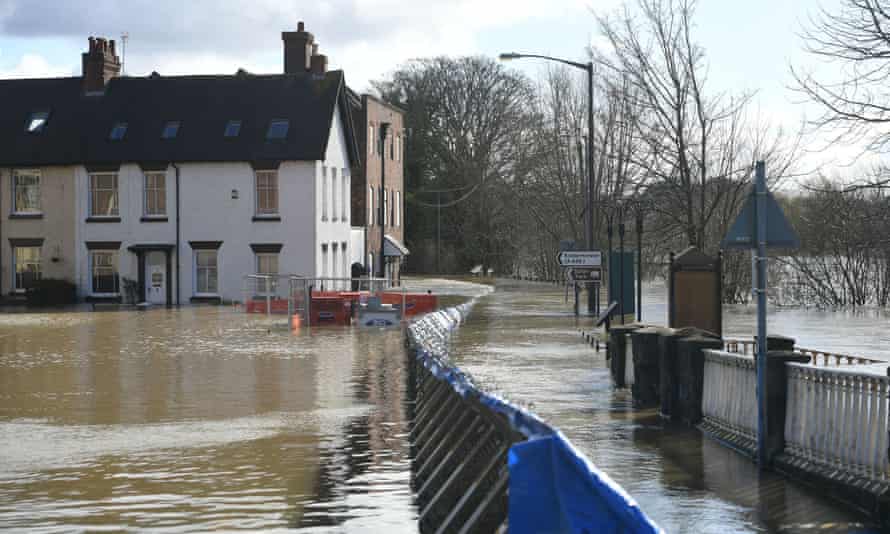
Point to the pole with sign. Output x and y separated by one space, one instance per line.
584 266
761 224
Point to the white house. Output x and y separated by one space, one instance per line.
184 184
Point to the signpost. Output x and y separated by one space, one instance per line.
584 266
580 258
761 224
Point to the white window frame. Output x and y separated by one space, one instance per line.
335 212
397 205
116 191
344 196
324 193
370 205
115 256
30 173
371 140
146 190
386 203
15 264
266 212
196 268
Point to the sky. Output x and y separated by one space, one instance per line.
749 44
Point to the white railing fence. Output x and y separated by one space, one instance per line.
838 418
819 358
729 398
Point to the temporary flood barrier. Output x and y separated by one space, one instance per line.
482 464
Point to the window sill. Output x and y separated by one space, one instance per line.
26 215
103 219
206 299
266 218
153 218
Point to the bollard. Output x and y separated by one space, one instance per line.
645 389
777 395
618 339
690 375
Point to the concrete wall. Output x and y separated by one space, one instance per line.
55 226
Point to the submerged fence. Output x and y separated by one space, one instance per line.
482 464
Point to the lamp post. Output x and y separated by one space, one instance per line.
588 192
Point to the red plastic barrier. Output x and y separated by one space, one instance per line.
259 306
331 311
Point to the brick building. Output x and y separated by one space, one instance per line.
378 197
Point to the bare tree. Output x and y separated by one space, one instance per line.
856 106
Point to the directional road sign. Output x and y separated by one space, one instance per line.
580 258
585 274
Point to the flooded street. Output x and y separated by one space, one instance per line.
197 419
523 343
206 418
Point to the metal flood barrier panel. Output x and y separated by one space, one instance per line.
481 464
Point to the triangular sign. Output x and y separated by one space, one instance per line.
743 232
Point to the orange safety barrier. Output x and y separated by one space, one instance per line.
415 303
259 306
331 311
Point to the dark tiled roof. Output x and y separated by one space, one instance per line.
79 125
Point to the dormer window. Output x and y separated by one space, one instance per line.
233 128
118 131
277 129
37 122
170 130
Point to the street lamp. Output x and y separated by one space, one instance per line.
588 193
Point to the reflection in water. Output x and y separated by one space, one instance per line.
199 419
522 342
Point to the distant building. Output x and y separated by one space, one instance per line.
182 184
378 198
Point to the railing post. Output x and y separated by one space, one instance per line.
777 397
690 375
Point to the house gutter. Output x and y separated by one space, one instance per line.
176 167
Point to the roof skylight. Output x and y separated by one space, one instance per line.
277 129
37 121
118 131
170 130
233 128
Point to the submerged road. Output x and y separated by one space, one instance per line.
522 342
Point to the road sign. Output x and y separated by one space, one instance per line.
586 274
743 232
580 258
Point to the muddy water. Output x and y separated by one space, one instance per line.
204 418
522 342
198 419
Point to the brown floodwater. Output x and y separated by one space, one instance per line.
204 418
198 419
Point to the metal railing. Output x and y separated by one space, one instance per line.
729 398
838 418
819 358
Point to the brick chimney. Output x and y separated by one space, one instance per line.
318 62
100 64
297 50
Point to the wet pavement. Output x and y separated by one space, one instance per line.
205 418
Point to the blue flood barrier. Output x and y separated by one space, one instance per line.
552 487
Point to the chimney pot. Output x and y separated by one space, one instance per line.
319 64
297 50
99 64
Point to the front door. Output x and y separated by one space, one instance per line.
155 278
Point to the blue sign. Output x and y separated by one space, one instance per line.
779 233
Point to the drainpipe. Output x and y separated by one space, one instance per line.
176 167
384 126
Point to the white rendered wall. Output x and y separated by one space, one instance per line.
330 231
